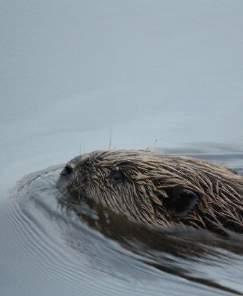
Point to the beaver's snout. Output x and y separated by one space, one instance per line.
67 171
70 167
66 175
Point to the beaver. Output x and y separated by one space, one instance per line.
155 189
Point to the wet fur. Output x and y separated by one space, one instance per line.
149 188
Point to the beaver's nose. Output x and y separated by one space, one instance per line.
68 170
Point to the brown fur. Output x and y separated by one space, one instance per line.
144 186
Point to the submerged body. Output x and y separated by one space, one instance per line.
156 189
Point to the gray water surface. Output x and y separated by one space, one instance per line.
82 75
46 249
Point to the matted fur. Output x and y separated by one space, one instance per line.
138 184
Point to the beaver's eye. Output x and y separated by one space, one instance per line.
68 169
117 175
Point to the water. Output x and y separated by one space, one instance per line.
82 75
44 243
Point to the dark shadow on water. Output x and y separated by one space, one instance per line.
174 251
161 248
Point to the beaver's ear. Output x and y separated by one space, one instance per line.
182 201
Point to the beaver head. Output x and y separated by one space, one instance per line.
156 189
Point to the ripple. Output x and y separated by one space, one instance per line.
45 244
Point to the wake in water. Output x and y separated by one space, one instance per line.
62 236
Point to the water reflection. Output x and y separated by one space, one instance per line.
84 242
